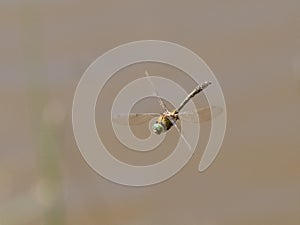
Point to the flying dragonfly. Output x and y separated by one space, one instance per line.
166 120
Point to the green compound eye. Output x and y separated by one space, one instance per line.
157 128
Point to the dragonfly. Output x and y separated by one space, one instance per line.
167 119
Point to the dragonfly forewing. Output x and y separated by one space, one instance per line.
134 118
200 115
155 93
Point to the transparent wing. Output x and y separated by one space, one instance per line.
134 118
203 114
155 92
177 128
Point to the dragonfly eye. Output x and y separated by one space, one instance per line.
157 128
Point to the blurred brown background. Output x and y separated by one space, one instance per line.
252 47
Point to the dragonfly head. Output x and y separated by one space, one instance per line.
157 128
